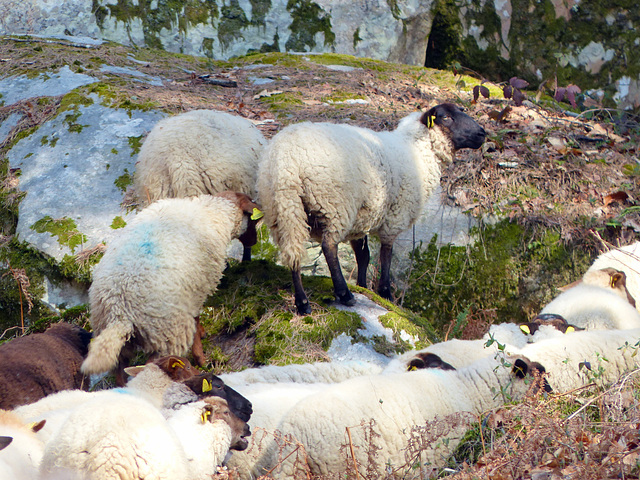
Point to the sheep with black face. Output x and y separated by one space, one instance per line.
339 183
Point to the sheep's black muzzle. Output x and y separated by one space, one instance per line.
207 384
462 130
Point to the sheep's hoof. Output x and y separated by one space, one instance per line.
347 299
303 307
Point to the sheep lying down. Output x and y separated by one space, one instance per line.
396 402
337 183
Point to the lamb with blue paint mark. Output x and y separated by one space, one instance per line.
149 288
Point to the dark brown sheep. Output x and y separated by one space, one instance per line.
39 364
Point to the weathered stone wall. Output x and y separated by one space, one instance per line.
589 43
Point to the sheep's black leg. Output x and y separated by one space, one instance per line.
248 239
302 302
384 287
361 249
342 293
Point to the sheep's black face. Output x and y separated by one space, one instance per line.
207 384
463 130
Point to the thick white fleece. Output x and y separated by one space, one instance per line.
627 260
21 459
155 276
594 307
151 384
354 180
459 353
609 353
320 372
396 402
198 152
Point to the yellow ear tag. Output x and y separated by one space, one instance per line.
257 214
570 329
177 363
32 425
612 282
413 368
525 329
205 416
430 119
206 385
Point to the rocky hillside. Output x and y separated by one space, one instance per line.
552 185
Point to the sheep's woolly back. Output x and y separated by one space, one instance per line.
627 260
351 180
593 307
116 436
566 357
40 364
321 372
198 152
19 460
460 353
397 403
155 276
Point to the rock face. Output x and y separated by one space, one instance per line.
588 43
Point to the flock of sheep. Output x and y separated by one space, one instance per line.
207 177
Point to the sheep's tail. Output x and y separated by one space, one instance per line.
104 349
286 217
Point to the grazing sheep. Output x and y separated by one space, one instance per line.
624 259
594 307
39 364
124 437
339 182
200 152
149 287
20 449
396 402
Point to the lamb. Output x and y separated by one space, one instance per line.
124 437
20 450
149 287
396 402
39 364
200 152
594 307
339 182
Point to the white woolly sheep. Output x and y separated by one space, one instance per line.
459 353
319 372
396 402
339 182
149 287
568 358
20 449
624 259
593 307
123 437
40 364
200 152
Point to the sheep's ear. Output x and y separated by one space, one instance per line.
570 329
617 279
520 368
37 426
525 329
133 371
5 441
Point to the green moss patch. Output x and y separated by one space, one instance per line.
64 229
